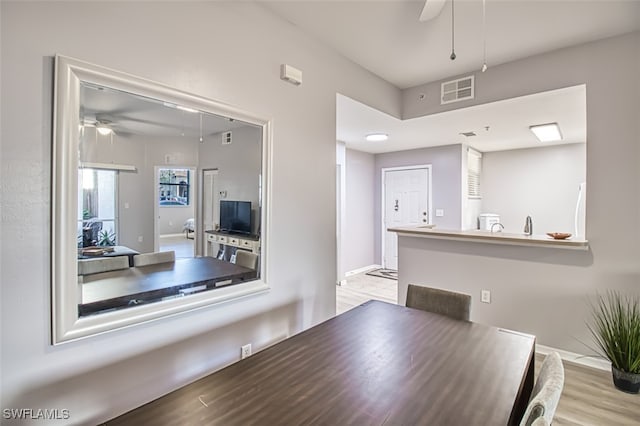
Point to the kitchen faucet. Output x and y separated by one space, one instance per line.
499 224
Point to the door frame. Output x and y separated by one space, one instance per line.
383 192
201 249
156 197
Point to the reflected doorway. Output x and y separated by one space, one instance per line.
175 207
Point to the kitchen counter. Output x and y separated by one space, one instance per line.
490 237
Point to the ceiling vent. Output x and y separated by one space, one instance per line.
468 134
457 90
226 138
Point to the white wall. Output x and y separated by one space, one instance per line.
238 166
537 182
359 209
543 291
136 191
445 184
172 218
229 51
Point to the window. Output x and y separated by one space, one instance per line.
97 207
175 187
474 167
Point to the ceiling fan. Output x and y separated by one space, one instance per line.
431 9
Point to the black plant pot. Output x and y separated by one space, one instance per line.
626 382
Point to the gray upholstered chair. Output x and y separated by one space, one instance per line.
145 259
443 302
103 264
546 393
247 259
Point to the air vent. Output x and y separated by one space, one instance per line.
468 134
457 90
226 138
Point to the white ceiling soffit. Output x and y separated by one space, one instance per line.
388 38
508 122
431 9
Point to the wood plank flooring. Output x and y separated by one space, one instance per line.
588 397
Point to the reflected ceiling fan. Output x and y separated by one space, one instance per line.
105 127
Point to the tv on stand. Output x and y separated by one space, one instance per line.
235 217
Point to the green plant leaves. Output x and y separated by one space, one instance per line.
616 330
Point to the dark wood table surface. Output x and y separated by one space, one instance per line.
375 364
141 284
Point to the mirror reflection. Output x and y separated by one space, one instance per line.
168 200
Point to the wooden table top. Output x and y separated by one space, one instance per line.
113 289
376 364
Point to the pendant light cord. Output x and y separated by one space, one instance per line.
484 35
453 50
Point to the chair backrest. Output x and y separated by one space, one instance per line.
153 258
247 259
546 392
443 302
103 264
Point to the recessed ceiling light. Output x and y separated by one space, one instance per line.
377 137
549 132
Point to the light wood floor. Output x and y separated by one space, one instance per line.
588 397
182 245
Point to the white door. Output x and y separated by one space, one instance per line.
406 195
210 207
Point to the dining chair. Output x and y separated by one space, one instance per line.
443 302
103 264
247 259
145 259
546 392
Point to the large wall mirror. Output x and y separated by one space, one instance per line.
159 201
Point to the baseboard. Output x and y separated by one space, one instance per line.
172 235
361 270
587 361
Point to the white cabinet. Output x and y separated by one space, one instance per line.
215 240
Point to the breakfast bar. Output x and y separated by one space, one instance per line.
492 237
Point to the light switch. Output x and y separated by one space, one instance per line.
126 205
439 212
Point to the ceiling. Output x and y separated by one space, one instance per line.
128 114
508 123
389 39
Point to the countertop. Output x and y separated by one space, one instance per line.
429 231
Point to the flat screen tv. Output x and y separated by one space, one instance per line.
235 216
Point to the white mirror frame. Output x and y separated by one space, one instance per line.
65 294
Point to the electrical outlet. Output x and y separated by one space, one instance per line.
245 351
140 239
485 296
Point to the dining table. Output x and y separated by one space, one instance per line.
376 364
137 285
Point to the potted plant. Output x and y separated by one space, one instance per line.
106 238
616 332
